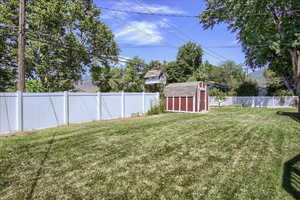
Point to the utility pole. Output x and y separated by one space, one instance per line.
21 47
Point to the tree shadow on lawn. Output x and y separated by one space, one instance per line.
291 177
292 115
39 171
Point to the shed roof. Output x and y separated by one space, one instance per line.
153 73
181 89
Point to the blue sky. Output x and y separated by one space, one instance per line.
157 38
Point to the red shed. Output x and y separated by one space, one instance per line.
186 97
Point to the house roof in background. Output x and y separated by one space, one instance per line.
153 73
85 86
181 89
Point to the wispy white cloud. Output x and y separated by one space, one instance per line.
139 7
145 31
140 33
143 7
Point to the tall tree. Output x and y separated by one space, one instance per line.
64 39
154 64
8 44
133 76
101 75
276 35
191 55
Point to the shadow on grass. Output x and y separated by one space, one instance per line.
39 171
294 116
291 177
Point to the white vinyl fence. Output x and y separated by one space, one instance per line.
259 101
30 111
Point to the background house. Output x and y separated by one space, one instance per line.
155 77
85 86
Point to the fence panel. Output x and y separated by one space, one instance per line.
133 104
8 110
111 106
82 107
30 111
151 100
42 110
261 102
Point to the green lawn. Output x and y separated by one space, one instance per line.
228 153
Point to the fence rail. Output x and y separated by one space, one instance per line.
261 102
30 111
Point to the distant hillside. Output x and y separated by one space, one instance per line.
259 78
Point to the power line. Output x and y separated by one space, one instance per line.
121 21
266 43
147 13
176 15
206 50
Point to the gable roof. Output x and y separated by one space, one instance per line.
85 86
181 89
153 73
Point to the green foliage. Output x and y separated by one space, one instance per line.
154 64
283 93
189 60
275 84
228 73
64 39
177 72
218 94
248 88
268 30
34 86
157 109
191 55
133 76
8 45
101 76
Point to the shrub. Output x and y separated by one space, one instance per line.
34 86
157 108
218 94
295 103
283 93
248 88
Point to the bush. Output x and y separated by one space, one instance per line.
218 94
248 88
295 103
34 86
157 108
282 93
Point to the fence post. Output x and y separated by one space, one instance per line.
180 104
194 103
253 102
99 106
123 104
143 101
158 98
186 104
19 111
66 108
173 103
167 103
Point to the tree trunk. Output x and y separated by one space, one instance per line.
287 82
297 81
296 64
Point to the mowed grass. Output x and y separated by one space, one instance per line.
228 153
